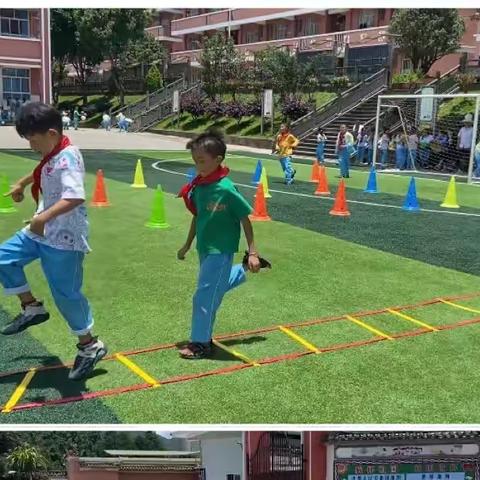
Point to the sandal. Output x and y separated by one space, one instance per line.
196 351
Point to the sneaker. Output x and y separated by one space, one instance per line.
293 174
263 263
87 357
30 316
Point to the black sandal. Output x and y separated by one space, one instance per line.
263 263
197 351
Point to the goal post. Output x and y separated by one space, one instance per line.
428 133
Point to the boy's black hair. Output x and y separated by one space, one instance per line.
38 117
211 141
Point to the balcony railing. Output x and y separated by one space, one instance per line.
321 42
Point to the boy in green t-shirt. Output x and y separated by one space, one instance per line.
218 210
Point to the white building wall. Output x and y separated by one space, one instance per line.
222 456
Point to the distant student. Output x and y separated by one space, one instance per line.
106 121
383 145
344 148
321 141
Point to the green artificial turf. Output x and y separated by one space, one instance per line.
322 266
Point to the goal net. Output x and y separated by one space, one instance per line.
436 134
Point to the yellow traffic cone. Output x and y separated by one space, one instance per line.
264 182
139 181
450 200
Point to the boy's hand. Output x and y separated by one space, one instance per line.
253 263
16 192
182 252
37 226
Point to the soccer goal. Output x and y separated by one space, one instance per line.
429 133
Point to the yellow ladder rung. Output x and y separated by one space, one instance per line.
413 320
369 328
456 305
299 339
137 370
236 353
19 391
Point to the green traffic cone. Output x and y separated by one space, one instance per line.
157 219
6 203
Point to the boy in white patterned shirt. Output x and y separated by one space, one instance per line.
57 235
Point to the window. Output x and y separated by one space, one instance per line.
16 84
233 476
366 20
278 31
407 65
14 23
310 27
251 37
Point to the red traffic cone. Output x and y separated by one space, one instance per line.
322 187
340 206
100 194
260 209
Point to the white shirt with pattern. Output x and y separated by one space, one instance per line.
63 178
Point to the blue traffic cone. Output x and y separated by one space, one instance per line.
411 202
191 174
372 182
257 175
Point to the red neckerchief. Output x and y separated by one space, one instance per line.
187 190
37 173
341 139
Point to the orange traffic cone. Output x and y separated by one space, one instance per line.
100 194
340 206
260 209
315 172
322 187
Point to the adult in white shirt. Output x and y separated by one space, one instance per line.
465 139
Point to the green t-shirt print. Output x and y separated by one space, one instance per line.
220 207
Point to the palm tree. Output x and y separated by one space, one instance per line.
27 462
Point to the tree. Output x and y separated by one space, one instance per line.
425 35
148 441
73 42
281 71
27 462
218 60
153 79
118 30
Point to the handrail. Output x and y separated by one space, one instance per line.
158 112
341 104
133 109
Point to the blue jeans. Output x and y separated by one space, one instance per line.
344 161
217 276
320 152
383 157
361 154
63 270
400 158
286 163
476 172
411 159
424 155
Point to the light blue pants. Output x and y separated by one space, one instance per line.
361 154
411 158
476 172
321 152
286 163
217 276
383 157
63 270
344 161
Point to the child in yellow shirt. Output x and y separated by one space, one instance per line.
286 142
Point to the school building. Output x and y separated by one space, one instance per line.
362 456
342 38
25 60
